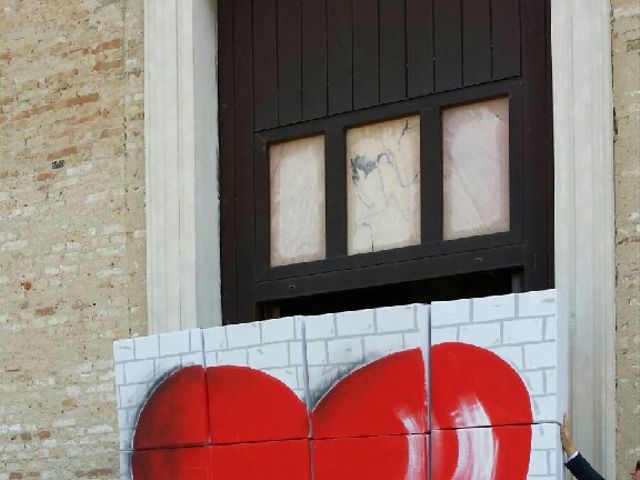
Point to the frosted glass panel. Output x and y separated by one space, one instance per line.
476 169
383 185
297 201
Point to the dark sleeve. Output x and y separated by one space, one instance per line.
582 470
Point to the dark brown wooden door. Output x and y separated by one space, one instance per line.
295 68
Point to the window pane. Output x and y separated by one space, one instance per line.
297 201
383 185
476 169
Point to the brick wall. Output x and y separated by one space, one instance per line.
71 229
626 90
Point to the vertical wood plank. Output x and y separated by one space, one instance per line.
537 145
265 50
476 45
419 47
289 62
366 54
431 184
245 238
314 59
549 153
340 55
505 27
516 166
336 190
393 65
448 44
227 162
262 209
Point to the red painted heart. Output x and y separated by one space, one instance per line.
237 423
473 387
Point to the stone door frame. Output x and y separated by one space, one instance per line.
183 241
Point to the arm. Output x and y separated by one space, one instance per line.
581 469
576 463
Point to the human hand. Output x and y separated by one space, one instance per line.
565 436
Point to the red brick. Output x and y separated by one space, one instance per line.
33 112
95 473
45 311
114 44
81 100
104 66
41 177
65 152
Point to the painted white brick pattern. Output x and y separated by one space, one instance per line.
175 343
345 350
140 363
278 330
214 339
322 326
443 334
272 346
274 355
147 347
483 335
540 355
540 303
244 335
450 313
125 465
317 353
395 319
521 329
123 351
336 344
355 323
546 453
238 356
494 308
138 372
374 344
